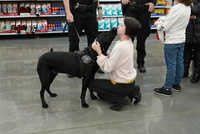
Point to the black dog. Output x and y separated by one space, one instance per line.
81 64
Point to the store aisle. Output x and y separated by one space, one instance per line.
22 113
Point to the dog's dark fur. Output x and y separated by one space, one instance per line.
52 63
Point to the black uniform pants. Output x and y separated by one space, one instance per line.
109 91
86 21
143 17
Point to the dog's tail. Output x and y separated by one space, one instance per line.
51 50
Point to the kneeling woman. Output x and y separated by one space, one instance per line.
119 64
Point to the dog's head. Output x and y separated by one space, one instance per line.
105 39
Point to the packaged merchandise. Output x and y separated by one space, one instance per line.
46 9
38 9
108 10
22 8
119 9
64 26
8 26
4 8
29 26
27 8
23 26
44 27
114 10
15 9
2 27
33 9
119 21
9 8
103 9
113 22
107 23
1 13
13 25
101 24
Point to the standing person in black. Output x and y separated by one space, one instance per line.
196 11
81 15
189 46
141 10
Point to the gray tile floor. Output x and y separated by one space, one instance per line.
21 111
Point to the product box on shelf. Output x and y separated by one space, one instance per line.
2 27
8 9
55 26
25 9
111 9
46 9
58 10
42 26
0 10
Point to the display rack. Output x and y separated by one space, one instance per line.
53 18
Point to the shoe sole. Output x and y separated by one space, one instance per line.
176 90
163 94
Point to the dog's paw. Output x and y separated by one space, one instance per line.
94 97
85 105
45 105
53 95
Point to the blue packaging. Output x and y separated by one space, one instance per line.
101 25
113 22
107 23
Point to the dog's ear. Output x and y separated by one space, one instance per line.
51 50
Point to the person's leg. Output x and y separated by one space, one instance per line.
179 68
91 27
187 58
196 75
113 93
144 19
74 29
179 64
170 51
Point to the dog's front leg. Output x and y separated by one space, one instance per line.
83 93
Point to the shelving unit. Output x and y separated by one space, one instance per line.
53 18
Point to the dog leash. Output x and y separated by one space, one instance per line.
81 42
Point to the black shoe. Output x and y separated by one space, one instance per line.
100 71
176 87
120 104
70 76
162 91
141 68
135 94
195 77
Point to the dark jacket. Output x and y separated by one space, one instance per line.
196 11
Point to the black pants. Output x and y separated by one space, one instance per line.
86 21
109 91
143 17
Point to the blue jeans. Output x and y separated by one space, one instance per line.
174 62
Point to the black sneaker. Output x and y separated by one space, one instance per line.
176 87
135 94
120 104
141 68
162 91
